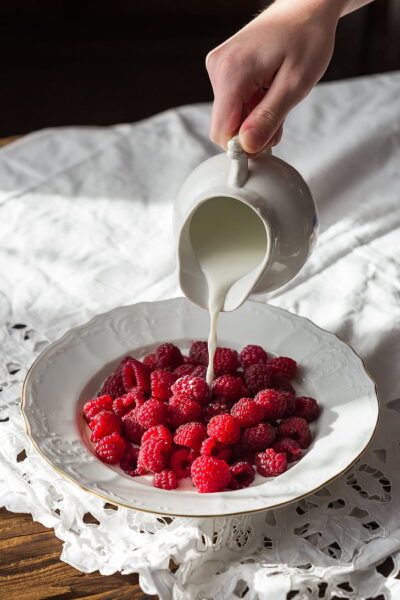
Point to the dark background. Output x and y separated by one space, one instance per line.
101 62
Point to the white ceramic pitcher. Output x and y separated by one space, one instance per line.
278 195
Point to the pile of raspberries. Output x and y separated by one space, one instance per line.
158 416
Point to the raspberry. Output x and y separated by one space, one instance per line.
210 474
131 428
128 462
258 437
185 369
272 402
283 366
166 480
242 475
161 382
225 361
200 371
271 463
296 428
307 408
218 407
190 435
281 383
168 355
198 353
229 387
153 455
289 446
135 373
103 424
191 387
153 412
290 403
224 428
111 449
252 355
158 431
113 386
150 361
247 412
180 462
183 410
95 405
210 447
256 378
132 399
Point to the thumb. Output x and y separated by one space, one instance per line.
264 121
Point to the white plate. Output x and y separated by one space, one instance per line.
71 370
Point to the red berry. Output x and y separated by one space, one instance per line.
198 353
226 360
153 455
290 403
218 407
131 429
271 463
289 446
190 435
150 361
166 480
252 355
200 371
191 387
95 405
307 408
283 366
229 387
113 386
272 402
185 369
210 447
168 355
153 412
242 475
183 410
158 431
128 462
132 399
258 437
135 374
296 428
247 412
161 382
256 378
281 383
111 449
224 428
210 474
103 424
180 462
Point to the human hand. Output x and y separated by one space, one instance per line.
286 49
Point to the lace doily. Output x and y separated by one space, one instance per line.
332 543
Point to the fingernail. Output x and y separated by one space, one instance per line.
252 140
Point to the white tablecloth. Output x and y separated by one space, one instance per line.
85 225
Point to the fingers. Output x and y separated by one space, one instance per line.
263 127
233 89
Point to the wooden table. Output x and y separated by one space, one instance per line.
30 566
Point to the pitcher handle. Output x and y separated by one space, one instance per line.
239 168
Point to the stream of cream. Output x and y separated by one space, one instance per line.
229 240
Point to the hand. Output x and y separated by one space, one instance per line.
286 49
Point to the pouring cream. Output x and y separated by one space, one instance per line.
230 242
